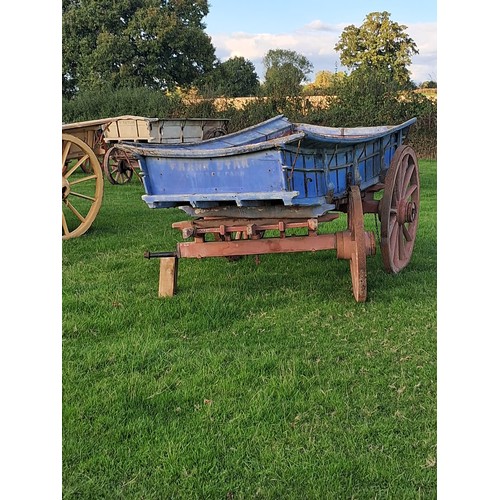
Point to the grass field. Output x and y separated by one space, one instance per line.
254 381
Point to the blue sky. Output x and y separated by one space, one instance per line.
312 28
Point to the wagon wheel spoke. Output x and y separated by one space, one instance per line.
83 179
401 174
411 189
79 216
395 240
408 175
65 227
86 167
83 196
75 167
406 233
80 206
400 210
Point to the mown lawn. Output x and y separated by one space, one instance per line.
254 381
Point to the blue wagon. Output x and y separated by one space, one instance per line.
280 175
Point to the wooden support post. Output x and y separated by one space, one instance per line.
168 276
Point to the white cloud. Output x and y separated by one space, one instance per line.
424 64
318 25
316 41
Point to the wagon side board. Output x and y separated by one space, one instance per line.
295 170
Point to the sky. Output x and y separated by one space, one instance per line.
312 28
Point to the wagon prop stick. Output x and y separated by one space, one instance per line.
241 237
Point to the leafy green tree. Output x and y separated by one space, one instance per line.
130 43
378 43
235 77
286 70
324 79
105 102
430 84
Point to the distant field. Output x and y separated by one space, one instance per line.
430 93
314 101
256 380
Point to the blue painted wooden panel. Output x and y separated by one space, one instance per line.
298 165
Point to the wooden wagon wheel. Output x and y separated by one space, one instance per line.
399 210
357 262
213 132
118 166
81 193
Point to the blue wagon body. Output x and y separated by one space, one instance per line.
273 164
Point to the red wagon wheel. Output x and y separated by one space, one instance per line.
81 193
118 166
399 210
357 262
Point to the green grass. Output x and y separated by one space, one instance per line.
254 381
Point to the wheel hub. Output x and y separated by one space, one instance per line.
122 166
407 211
65 188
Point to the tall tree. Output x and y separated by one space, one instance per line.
286 70
126 43
235 77
378 43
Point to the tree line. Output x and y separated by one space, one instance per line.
143 57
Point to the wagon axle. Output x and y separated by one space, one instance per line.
344 244
240 237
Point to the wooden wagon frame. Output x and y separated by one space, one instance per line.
90 147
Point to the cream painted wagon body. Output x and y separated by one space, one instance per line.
88 150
